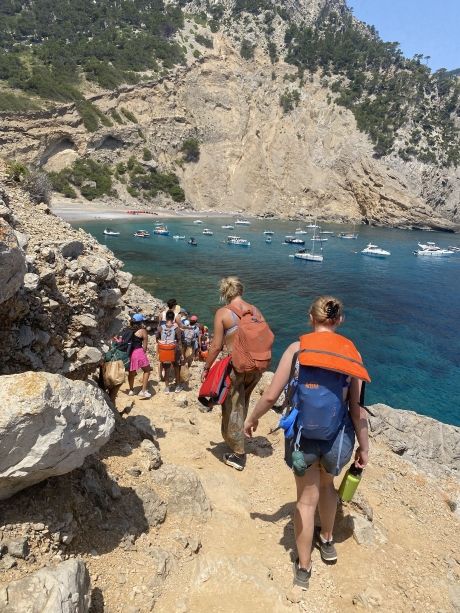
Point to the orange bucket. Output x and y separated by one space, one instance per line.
203 355
166 352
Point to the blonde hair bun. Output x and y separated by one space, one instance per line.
327 310
229 288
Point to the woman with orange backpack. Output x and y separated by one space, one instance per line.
323 372
234 326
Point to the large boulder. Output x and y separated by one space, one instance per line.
48 425
96 267
62 589
12 262
184 493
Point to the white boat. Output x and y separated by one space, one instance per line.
318 239
348 235
237 240
208 232
292 240
327 232
454 249
161 230
307 255
109 232
242 222
300 231
142 234
375 252
432 250
227 227
197 221
178 237
269 232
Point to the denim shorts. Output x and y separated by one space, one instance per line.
327 452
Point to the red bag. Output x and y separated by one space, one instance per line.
216 386
252 347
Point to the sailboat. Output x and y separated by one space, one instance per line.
349 235
311 256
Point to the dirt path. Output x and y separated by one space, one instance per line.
410 559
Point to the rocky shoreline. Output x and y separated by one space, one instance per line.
103 511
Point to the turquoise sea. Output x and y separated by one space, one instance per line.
403 313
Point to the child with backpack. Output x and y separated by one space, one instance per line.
240 328
169 347
323 372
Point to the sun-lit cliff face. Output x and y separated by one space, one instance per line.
272 140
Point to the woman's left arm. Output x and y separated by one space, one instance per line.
359 418
272 393
145 340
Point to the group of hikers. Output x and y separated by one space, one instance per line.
321 375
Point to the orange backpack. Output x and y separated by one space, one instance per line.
252 347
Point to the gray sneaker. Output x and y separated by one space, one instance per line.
327 550
301 575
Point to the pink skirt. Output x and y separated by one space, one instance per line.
138 359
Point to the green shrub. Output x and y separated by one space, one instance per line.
16 171
60 183
88 115
196 53
129 115
247 50
272 52
14 103
204 41
117 117
146 155
191 150
38 185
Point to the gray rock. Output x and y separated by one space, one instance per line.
110 297
6 563
26 336
154 507
124 280
162 563
96 267
429 444
47 276
72 249
363 530
19 548
12 262
186 495
22 239
144 427
454 595
153 455
89 356
65 588
48 425
86 321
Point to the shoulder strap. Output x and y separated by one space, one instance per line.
240 312
290 390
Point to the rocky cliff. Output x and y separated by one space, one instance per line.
254 157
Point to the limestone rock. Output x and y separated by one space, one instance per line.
31 281
95 266
48 425
62 589
185 492
89 356
363 530
428 443
12 262
154 507
124 280
154 460
110 297
143 426
72 249
19 547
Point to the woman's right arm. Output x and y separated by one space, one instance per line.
272 393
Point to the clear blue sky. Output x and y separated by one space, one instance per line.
431 27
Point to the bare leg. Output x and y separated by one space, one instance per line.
131 377
177 374
167 368
145 378
304 517
327 504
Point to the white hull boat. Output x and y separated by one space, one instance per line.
311 257
375 252
227 227
242 222
318 239
237 240
197 221
178 237
208 232
109 232
300 231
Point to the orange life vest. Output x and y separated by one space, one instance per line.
333 352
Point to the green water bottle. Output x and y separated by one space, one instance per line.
349 483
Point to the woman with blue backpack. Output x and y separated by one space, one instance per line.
322 374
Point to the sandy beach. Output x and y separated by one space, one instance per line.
78 210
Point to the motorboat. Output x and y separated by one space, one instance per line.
269 232
161 230
142 234
312 225
375 252
192 241
237 240
303 254
292 240
208 232
227 227
318 239
327 232
197 221
454 249
242 222
432 250
178 237
109 232
348 235
300 231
